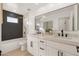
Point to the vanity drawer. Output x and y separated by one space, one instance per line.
42 51
42 41
42 44
42 48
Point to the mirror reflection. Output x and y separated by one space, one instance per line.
57 20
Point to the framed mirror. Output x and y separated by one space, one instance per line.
61 19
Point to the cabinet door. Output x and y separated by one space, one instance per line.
30 45
67 54
35 46
52 51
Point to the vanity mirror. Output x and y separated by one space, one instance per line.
56 20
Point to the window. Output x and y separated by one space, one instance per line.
12 20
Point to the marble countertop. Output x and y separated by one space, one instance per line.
65 40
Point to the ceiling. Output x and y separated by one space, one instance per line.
23 8
32 6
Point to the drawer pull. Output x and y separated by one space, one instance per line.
31 44
41 48
42 41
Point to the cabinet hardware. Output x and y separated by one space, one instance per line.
41 48
31 44
42 41
60 53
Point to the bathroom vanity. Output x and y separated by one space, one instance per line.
54 44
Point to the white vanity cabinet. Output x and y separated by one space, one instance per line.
46 47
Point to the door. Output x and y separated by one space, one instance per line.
35 46
30 44
12 26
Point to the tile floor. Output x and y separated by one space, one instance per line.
17 52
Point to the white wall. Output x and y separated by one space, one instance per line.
31 24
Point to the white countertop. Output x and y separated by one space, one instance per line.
65 40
